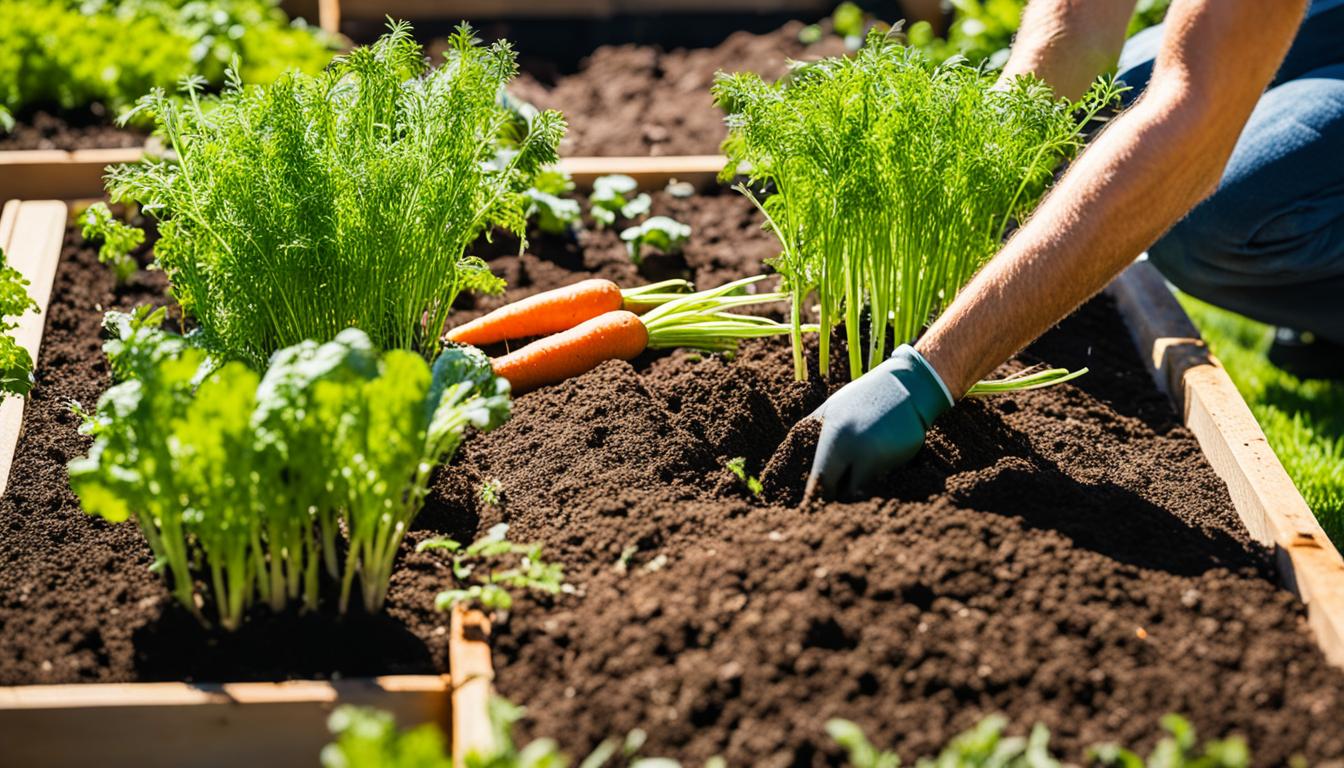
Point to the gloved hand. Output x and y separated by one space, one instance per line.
876 423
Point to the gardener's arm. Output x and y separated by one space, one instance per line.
1150 167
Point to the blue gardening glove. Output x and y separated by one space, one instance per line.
876 423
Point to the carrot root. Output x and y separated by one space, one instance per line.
618 335
541 314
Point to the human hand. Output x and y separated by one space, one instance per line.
875 423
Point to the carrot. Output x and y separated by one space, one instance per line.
537 315
618 335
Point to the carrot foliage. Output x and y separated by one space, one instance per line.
295 210
260 487
894 180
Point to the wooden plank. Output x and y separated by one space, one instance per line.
172 724
1265 498
35 231
473 683
650 172
59 174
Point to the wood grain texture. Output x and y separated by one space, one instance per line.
31 234
58 174
1267 501
649 172
473 677
152 725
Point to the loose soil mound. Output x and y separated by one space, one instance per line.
642 100
1064 556
68 130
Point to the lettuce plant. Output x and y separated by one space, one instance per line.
16 365
346 199
660 232
73 53
894 180
258 485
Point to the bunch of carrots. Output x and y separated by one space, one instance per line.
585 324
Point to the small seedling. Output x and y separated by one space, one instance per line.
16 365
623 564
491 492
665 234
484 584
738 466
98 223
555 214
611 198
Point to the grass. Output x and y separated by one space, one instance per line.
1304 420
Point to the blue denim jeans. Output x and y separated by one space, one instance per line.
1269 243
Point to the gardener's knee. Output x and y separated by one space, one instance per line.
1195 254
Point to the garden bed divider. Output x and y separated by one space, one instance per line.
473 675
1270 506
146 725
78 174
57 174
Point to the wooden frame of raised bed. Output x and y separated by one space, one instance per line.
285 721
60 175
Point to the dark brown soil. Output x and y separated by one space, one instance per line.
57 129
643 100
1064 556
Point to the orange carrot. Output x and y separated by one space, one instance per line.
542 313
618 335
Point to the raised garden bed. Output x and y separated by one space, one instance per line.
1036 530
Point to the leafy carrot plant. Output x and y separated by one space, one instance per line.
349 198
894 180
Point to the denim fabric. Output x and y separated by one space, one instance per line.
1269 243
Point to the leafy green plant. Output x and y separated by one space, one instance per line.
16 365
349 198
483 582
894 180
611 197
74 53
555 214
1180 749
738 466
491 492
247 483
660 232
98 223
368 738
982 30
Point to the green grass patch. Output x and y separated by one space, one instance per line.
1304 420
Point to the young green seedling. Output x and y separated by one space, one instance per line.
660 232
555 214
491 492
738 466
611 198
492 568
16 365
98 223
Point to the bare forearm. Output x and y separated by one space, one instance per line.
1146 171
1130 186
1068 43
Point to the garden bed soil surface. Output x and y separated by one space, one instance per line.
643 100
1064 556
41 129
